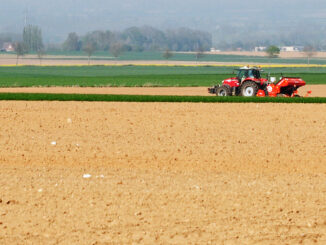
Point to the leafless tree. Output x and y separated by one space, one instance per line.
199 53
20 50
309 52
40 54
89 50
167 54
116 49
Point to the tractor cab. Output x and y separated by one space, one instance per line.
246 72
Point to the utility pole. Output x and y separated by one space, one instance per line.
26 16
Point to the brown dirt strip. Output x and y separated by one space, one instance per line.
317 90
162 173
282 54
9 59
76 61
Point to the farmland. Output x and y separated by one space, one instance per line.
131 76
89 162
162 173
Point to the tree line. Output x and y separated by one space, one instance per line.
247 36
140 39
144 38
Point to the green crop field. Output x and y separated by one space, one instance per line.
152 98
129 76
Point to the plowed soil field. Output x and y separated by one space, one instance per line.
317 90
162 173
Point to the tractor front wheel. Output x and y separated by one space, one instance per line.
249 89
223 91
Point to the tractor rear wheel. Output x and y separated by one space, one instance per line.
249 89
224 90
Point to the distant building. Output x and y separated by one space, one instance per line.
259 49
8 47
213 50
291 48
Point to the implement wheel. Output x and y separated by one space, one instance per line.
224 90
249 89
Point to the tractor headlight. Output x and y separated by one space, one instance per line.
273 79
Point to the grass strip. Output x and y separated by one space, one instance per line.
153 98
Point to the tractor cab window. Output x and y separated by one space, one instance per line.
252 73
242 74
256 74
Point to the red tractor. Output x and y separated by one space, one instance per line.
249 83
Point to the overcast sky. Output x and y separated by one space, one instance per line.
59 17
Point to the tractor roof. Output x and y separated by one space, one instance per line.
249 68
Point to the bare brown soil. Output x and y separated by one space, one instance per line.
82 60
162 173
281 55
55 60
317 90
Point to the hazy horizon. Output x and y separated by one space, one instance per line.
58 18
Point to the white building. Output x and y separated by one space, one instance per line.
214 50
259 49
8 47
291 48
